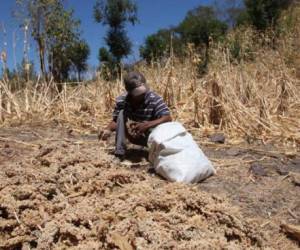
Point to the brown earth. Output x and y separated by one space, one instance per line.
60 189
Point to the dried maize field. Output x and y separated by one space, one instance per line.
60 188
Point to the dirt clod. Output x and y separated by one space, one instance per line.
282 170
217 138
258 169
296 179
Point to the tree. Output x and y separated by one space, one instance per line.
62 35
33 13
79 54
265 13
233 11
54 29
115 14
200 27
104 55
156 45
118 43
25 71
108 67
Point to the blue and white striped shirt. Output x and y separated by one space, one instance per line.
151 109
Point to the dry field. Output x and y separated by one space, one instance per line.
61 188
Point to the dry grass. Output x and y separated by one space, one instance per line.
259 98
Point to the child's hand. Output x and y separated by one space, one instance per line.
142 127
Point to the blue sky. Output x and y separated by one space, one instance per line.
153 15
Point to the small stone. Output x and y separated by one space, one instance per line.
44 152
10 173
22 194
257 169
45 162
7 151
296 162
233 152
296 179
217 138
282 170
70 131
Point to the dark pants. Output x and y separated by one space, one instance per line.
121 133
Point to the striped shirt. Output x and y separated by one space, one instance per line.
151 109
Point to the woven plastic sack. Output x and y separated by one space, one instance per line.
176 156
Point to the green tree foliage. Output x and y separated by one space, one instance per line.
62 35
116 14
201 25
118 43
157 45
104 55
108 67
264 13
56 32
234 12
79 54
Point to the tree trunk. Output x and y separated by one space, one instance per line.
79 75
42 57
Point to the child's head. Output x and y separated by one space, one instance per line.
135 84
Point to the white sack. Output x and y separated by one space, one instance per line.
176 156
